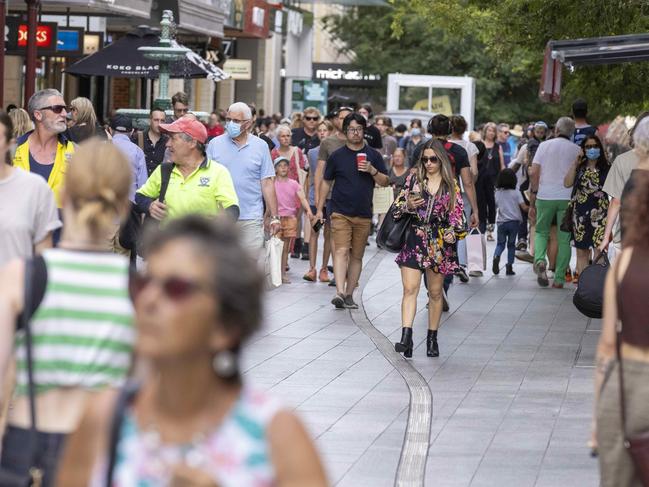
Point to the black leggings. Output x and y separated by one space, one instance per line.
484 189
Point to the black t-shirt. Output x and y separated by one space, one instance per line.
153 153
373 137
269 142
353 190
456 153
303 140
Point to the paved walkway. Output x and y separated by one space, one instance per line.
511 391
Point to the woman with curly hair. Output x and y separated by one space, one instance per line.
589 201
433 199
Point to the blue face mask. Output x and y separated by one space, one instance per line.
233 129
415 132
593 153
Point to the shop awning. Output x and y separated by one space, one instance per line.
351 3
601 50
122 59
127 8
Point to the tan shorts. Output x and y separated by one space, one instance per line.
350 232
288 226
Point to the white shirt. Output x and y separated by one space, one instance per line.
555 157
469 147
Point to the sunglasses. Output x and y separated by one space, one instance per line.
181 110
312 119
174 288
591 146
56 108
432 159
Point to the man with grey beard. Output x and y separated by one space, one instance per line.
45 150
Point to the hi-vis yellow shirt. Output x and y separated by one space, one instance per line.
206 191
64 149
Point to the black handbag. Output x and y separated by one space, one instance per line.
589 296
34 477
393 232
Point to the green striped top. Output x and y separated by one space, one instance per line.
83 330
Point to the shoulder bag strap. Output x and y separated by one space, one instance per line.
165 175
31 386
618 351
125 399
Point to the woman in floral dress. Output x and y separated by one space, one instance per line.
589 201
432 197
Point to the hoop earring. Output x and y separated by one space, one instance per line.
224 364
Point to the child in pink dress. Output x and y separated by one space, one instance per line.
289 197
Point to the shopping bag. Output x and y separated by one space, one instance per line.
476 250
274 248
382 200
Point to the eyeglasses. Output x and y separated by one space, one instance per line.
174 288
355 130
312 119
56 108
432 159
235 120
506 132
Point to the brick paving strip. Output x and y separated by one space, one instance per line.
412 462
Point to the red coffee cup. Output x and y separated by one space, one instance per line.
361 158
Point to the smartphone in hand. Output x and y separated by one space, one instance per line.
317 225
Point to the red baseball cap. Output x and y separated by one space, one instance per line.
186 125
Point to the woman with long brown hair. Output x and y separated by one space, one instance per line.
432 198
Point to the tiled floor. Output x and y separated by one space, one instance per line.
512 390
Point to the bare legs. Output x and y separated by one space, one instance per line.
411 279
583 256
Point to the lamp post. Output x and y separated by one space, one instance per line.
30 62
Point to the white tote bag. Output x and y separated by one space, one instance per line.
274 248
476 250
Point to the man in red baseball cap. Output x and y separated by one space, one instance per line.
195 185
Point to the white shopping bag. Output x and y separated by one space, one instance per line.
382 200
476 250
274 248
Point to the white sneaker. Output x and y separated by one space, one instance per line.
475 274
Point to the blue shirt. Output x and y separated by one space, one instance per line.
248 164
353 190
135 156
312 157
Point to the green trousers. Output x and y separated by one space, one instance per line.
546 210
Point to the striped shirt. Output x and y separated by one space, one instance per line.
83 330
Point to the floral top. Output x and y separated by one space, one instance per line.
425 247
235 454
590 207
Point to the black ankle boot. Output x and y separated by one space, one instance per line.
510 270
305 251
405 345
432 349
495 266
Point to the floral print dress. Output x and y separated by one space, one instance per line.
425 247
590 208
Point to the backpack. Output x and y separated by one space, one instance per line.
130 231
589 296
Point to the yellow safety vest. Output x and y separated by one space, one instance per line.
64 150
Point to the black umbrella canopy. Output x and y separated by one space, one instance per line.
122 59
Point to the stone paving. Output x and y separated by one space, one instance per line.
512 389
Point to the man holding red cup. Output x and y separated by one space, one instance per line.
355 168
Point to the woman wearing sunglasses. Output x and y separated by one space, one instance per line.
193 421
432 198
81 325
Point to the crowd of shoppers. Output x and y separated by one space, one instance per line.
216 191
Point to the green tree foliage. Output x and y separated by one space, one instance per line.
501 45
